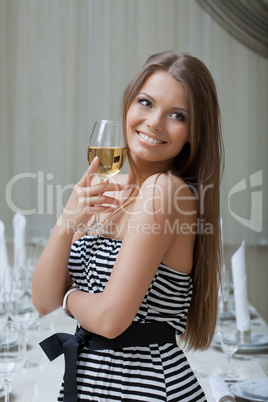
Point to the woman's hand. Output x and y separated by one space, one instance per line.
51 278
87 200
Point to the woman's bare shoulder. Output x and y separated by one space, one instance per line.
167 181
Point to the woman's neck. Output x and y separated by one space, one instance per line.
147 169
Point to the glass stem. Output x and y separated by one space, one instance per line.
229 365
97 216
97 219
6 390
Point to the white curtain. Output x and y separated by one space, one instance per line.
65 63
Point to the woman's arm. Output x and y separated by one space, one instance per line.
51 278
145 244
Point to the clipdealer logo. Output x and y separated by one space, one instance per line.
50 197
255 220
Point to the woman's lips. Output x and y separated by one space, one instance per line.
149 139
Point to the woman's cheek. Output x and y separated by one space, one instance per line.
131 117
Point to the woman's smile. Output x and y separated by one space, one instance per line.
149 139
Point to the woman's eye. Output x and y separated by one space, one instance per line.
145 102
178 116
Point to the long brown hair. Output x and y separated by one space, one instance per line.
199 164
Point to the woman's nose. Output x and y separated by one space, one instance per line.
155 122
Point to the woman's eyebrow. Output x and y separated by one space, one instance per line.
149 96
152 98
180 109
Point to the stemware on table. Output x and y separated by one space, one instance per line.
12 352
3 320
4 295
229 344
21 308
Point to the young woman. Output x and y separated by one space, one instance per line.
157 275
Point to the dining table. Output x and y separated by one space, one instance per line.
41 383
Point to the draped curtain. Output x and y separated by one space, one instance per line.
65 63
246 20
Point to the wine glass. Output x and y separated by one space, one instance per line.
229 345
21 308
3 306
3 318
107 141
12 352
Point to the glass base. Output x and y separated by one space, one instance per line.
229 375
2 388
28 364
95 228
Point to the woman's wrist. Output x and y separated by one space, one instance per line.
65 300
66 224
69 225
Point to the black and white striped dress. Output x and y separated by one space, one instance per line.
148 373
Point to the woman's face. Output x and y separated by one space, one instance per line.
157 121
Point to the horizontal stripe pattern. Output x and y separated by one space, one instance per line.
148 373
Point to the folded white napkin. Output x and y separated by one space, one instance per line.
5 274
238 261
220 389
19 227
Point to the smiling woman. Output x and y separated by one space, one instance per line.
156 275
157 126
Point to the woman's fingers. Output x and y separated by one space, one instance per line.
99 209
87 177
87 199
101 188
101 200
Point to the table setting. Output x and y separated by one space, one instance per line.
243 379
17 312
244 339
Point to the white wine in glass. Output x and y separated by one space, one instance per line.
111 160
108 142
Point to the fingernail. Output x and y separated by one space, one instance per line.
96 157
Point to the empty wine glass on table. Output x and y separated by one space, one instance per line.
12 352
229 345
107 141
21 308
3 306
3 320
